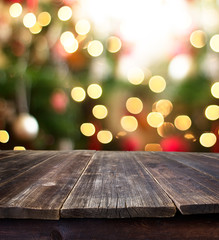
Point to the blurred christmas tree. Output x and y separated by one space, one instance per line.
97 75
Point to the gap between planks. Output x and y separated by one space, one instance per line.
85 168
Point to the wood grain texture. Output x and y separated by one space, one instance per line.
210 155
40 191
15 164
195 227
192 191
8 153
198 161
114 185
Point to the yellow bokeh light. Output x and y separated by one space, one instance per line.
73 47
44 19
36 28
134 105
19 148
129 123
181 66
114 44
163 106
121 134
67 38
215 90
207 139
69 42
82 27
95 48
87 129
155 119
104 136
99 111
166 129
198 39
214 43
29 20
94 91
135 76
78 94
182 122
64 13
190 136
212 112
155 147
15 10
157 84
4 136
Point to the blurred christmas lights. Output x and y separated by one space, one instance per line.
104 136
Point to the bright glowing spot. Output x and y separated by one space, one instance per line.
182 122
78 94
15 10
129 123
87 129
94 91
163 106
82 27
121 134
4 136
95 48
135 76
134 105
114 44
44 19
72 47
215 90
67 38
198 39
207 139
19 148
214 43
64 13
212 112
180 66
155 119
153 147
100 111
69 42
104 136
157 84
36 28
29 20
190 136
166 129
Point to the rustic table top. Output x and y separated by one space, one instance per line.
107 184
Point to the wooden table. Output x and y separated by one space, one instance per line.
85 194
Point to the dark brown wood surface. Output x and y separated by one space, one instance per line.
15 164
8 153
114 185
206 164
192 191
40 191
82 184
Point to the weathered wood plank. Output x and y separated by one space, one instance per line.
16 164
114 185
192 191
211 155
198 161
40 192
180 227
8 153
